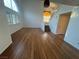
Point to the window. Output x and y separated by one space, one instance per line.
13 18
9 18
11 12
11 4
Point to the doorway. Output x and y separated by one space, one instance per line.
63 23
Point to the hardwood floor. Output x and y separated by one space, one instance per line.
36 44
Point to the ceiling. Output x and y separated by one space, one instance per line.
67 2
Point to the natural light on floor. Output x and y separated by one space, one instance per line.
45 35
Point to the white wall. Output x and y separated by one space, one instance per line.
33 13
5 29
54 20
5 39
72 34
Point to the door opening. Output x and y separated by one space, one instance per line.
63 23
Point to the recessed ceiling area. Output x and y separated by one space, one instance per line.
67 2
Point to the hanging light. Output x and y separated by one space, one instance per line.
46 3
46 17
49 9
47 13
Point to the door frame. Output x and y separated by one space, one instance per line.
59 28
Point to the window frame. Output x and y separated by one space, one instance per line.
12 20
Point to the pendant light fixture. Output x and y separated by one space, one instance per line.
49 9
46 3
46 17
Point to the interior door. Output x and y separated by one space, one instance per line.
63 23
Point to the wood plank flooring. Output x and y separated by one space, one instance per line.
36 44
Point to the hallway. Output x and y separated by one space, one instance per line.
36 44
